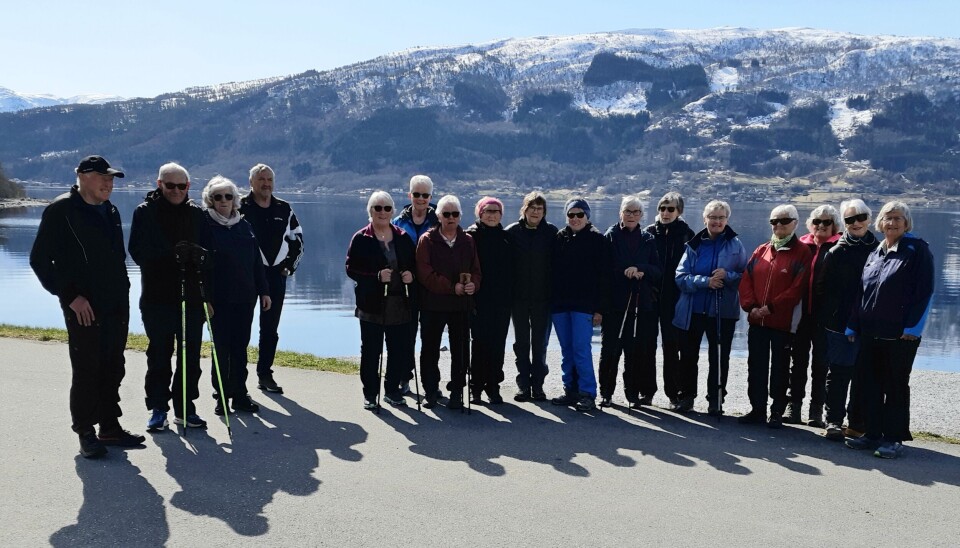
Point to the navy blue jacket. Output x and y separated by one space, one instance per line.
645 258
532 249
581 271
238 272
671 240
495 251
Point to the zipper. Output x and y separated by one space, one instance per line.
82 249
766 290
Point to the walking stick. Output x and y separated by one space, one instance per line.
719 358
383 311
416 380
183 341
216 362
464 338
622 334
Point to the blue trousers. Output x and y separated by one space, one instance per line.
575 331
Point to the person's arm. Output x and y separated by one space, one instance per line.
47 258
294 238
686 280
650 263
918 308
748 299
430 278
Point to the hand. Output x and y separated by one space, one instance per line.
714 283
852 338
470 288
719 273
597 318
406 277
285 272
386 275
265 302
630 272
458 289
764 311
909 337
81 307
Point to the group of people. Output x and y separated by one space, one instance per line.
211 263
839 302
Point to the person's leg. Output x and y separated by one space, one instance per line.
270 322
563 324
727 330
195 321
838 381
459 330
481 334
799 362
398 355
779 370
611 346
713 358
758 367
522 318
582 331
540 327
647 355
670 342
113 332
223 322
873 361
371 345
431 333
162 326
690 357
242 328
85 362
818 375
896 389
499 328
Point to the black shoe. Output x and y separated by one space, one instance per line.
646 400
606 401
90 446
714 410
792 414
430 397
218 409
753 417
685 405
522 395
244 403
586 403
456 400
493 394
775 421
395 399
267 383
193 421
475 398
863 442
537 394
834 432
568 399
370 405
119 437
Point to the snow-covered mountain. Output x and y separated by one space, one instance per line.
11 101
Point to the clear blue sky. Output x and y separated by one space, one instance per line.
133 48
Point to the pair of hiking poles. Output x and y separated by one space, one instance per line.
416 381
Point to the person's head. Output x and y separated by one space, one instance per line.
894 220
823 222
261 182
578 213
534 208
95 179
716 215
421 188
669 207
856 217
489 211
380 207
783 220
174 182
448 211
221 195
631 212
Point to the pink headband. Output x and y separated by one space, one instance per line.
485 201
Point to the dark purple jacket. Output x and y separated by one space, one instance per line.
439 267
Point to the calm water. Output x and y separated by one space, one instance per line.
318 312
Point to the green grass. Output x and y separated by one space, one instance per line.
138 343
930 436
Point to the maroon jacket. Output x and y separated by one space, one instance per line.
439 267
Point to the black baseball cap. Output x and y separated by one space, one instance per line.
98 164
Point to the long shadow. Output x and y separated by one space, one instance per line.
556 435
120 507
271 452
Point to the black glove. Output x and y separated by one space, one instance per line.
191 254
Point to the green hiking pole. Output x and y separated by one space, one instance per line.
216 364
183 341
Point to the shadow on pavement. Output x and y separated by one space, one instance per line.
272 452
120 507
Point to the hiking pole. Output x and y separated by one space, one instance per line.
464 339
416 381
719 357
386 289
216 362
183 340
622 334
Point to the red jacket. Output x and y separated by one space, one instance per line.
778 280
439 267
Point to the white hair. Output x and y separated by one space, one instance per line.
171 168
858 206
448 199
380 198
784 209
629 201
217 184
890 207
714 205
820 211
255 170
418 180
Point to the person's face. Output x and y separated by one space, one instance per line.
449 216
630 217
858 228
534 214
262 185
668 212
223 202
174 187
383 216
491 215
715 221
893 225
825 229
781 230
96 186
576 219
419 197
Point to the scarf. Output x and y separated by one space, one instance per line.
866 239
777 243
220 219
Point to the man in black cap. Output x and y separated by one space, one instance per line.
79 257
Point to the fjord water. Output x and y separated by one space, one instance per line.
318 312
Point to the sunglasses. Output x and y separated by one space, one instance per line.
420 194
227 197
671 209
448 214
580 215
824 222
178 186
858 218
784 222
379 208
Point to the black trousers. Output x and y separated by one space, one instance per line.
270 321
886 366
691 340
232 324
768 357
489 328
531 330
431 332
809 336
840 379
670 344
636 339
97 362
372 336
163 326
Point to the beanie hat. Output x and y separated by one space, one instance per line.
485 201
577 203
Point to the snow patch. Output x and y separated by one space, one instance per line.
725 79
845 121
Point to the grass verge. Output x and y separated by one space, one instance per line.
930 436
138 343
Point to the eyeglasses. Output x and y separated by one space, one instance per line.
491 211
535 208
824 222
379 208
671 209
178 186
893 219
227 197
631 211
579 215
448 214
717 218
859 218
784 222
423 195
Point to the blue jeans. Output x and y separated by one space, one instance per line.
574 331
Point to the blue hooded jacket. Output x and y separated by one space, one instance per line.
693 278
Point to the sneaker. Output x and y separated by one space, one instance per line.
395 400
861 443
755 416
267 383
456 400
685 405
888 450
816 422
522 395
369 405
90 446
833 432
218 409
586 403
775 421
646 401
193 421
158 421
118 437
537 394
244 403
792 414
606 401
405 388
568 398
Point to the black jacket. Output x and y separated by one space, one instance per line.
157 227
238 273
79 252
495 251
838 279
532 250
580 271
645 258
671 239
365 259
277 230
